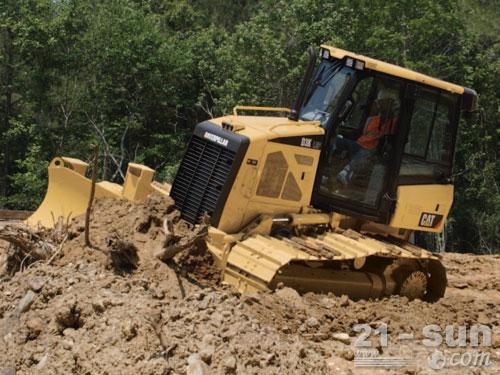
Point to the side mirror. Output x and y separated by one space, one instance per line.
345 109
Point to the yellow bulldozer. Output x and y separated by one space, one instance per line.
323 197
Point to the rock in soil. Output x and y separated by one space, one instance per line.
26 301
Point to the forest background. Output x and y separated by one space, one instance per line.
136 76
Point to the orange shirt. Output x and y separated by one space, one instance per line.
373 131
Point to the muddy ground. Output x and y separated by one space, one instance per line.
87 311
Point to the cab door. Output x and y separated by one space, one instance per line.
359 159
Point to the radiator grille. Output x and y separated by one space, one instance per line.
201 177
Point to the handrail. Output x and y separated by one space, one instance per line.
256 108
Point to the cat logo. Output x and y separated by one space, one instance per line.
306 142
428 220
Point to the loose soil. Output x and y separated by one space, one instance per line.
115 308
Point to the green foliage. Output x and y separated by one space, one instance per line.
30 182
137 75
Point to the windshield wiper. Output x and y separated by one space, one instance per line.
330 72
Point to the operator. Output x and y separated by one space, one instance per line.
381 121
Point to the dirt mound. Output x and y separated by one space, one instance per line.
90 312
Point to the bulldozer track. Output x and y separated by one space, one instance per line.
254 262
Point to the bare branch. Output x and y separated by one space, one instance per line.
122 153
108 148
91 197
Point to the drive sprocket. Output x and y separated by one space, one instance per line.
414 286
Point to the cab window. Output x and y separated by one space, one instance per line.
428 148
327 86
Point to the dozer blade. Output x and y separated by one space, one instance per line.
69 190
343 263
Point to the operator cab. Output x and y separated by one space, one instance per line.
382 130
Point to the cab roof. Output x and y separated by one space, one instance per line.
396 71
